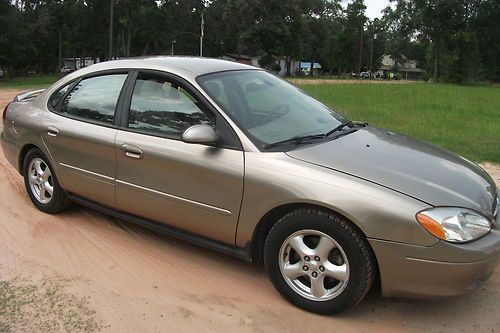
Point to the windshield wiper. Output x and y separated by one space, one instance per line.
346 124
302 139
295 140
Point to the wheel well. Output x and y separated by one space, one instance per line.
271 218
22 155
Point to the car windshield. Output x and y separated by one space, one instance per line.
269 109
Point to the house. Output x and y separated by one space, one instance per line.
241 58
73 64
408 69
278 65
305 68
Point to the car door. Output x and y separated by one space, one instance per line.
82 134
194 187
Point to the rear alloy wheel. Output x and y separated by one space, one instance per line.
319 261
40 180
41 183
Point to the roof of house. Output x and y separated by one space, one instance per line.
238 56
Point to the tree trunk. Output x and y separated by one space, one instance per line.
123 44
129 35
436 62
84 64
360 51
110 53
60 50
312 63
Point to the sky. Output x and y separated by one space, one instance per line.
373 7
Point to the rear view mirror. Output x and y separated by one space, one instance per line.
200 134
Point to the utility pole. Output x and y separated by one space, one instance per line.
360 49
201 35
111 5
173 43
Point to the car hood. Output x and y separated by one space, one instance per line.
428 173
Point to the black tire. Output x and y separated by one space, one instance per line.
58 200
361 262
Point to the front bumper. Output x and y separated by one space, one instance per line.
441 270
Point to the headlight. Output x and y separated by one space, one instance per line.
456 225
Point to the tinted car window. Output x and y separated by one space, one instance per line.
59 94
161 107
269 109
95 98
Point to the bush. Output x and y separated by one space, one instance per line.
425 77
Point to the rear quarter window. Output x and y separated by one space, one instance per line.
56 98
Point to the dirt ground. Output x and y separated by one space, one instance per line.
84 271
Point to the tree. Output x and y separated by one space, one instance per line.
457 40
400 28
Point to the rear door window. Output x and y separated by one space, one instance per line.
94 99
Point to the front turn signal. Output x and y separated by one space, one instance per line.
431 226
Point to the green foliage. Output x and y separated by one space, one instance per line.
425 77
454 40
463 119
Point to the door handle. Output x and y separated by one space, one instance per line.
131 151
52 131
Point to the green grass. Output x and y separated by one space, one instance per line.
28 82
464 119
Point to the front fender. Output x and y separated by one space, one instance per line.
274 179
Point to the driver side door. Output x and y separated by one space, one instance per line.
193 187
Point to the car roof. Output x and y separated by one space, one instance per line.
194 66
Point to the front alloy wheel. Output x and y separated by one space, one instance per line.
314 265
319 261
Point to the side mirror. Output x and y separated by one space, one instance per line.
200 134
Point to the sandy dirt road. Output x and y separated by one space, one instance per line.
115 277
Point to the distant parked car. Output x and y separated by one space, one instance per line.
233 158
